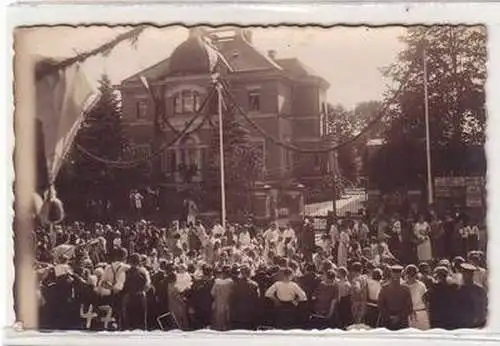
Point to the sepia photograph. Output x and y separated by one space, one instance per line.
252 178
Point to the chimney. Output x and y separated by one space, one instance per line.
271 54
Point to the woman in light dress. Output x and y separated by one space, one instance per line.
177 303
419 318
422 230
343 247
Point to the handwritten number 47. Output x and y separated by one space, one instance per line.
103 312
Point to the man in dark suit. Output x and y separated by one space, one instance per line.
395 302
244 303
134 296
473 301
441 297
307 237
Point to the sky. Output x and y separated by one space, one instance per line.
349 58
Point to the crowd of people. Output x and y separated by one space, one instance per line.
423 272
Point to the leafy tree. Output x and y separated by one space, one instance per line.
345 124
364 113
242 167
456 65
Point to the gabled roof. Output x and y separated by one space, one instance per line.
298 69
236 52
243 56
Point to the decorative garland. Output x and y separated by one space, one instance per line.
179 134
295 148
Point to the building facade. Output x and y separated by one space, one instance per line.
283 96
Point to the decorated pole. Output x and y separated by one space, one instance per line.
221 151
430 192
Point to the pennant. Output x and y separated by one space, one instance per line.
145 83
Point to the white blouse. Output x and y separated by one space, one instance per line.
417 291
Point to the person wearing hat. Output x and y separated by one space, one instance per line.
191 211
444 263
325 301
193 240
456 275
272 234
184 231
114 275
235 272
333 233
176 302
264 280
109 234
244 301
343 246
217 229
137 202
472 310
159 285
244 237
419 319
57 288
221 293
425 274
344 306
307 239
422 232
289 233
359 295
394 302
373 287
480 274
441 300
134 305
395 239
200 299
286 295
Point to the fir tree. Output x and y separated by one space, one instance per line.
101 133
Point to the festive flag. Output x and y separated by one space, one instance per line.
63 97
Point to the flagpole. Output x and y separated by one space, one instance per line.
430 197
221 154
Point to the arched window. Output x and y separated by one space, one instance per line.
186 101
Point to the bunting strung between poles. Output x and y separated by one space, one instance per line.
320 150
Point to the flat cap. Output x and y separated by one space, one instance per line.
468 267
441 270
396 268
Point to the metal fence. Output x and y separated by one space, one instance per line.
351 202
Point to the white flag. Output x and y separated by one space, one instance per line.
63 96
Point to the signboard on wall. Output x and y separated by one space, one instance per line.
468 190
473 197
473 192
